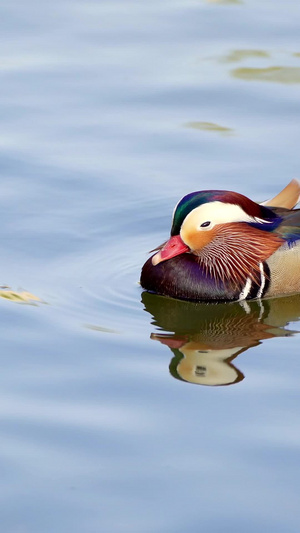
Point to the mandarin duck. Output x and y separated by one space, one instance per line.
225 247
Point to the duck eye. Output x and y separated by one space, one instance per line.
205 224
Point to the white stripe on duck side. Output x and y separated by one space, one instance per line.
262 281
245 293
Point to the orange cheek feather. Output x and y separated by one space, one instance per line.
197 240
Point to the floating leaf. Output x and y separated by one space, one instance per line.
240 55
287 75
209 126
100 328
19 296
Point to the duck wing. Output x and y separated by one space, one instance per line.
289 227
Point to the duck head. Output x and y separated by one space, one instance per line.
229 235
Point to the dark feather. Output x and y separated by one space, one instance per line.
289 227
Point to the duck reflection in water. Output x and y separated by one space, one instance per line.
206 338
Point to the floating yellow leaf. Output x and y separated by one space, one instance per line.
100 328
19 296
240 55
287 75
209 126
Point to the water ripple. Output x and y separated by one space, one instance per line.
102 290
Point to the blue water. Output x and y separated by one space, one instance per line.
110 112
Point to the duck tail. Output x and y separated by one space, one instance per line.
288 197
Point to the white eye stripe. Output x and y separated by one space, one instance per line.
219 213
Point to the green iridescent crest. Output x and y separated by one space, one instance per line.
190 202
195 199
